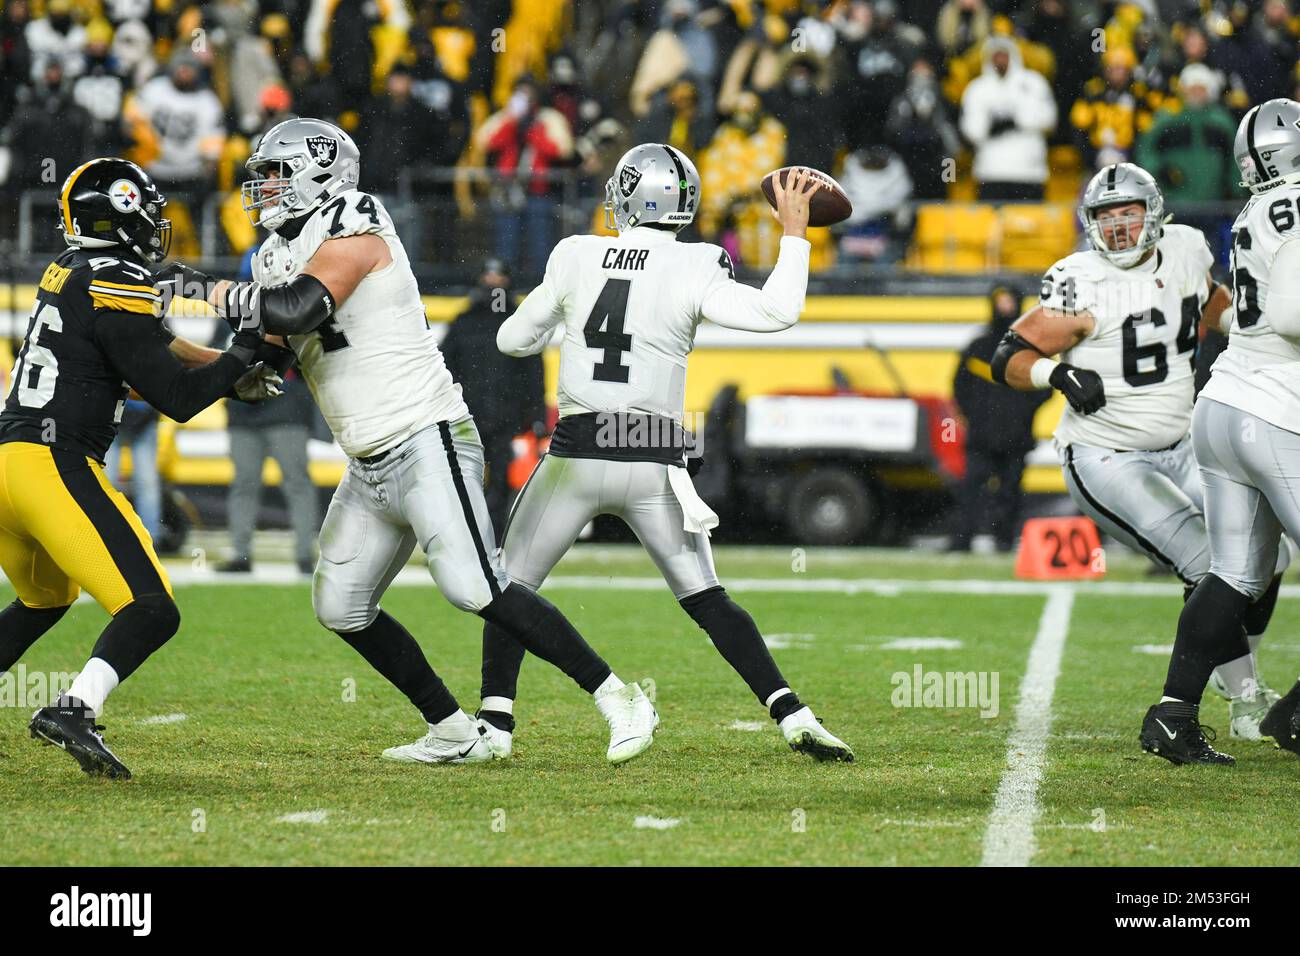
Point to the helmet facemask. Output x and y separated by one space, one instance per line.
271 194
1121 250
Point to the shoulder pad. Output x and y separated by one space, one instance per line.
120 285
351 213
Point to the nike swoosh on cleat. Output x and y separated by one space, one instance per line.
1172 736
466 752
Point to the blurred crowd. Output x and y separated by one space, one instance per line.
902 100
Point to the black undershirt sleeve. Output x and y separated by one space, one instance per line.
138 349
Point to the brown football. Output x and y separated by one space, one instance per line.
829 205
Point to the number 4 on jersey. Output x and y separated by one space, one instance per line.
604 330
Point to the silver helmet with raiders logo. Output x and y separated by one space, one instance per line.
652 183
1267 148
298 165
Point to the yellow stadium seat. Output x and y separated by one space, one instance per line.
1034 237
954 238
1065 178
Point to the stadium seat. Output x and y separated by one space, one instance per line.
1065 178
1035 236
954 238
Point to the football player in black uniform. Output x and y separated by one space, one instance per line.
95 333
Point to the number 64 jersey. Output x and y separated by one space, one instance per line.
1143 342
1259 371
374 367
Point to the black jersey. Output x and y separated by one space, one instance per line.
96 332
66 391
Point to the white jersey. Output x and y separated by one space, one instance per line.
630 306
1143 341
374 367
1259 371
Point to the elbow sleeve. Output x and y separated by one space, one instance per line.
295 308
1011 344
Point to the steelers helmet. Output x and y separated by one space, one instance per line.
110 202
298 165
1116 185
652 183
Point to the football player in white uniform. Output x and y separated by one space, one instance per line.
630 306
1246 430
334 279
1123 316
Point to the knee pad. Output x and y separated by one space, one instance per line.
137 631
333 607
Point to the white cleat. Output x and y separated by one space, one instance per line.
452 741
500 742
632 721
1218 686
806 735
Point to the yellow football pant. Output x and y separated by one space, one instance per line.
63 527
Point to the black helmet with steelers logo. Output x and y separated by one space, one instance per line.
111 202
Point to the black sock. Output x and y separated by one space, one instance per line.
784 706
390 649
499 720
502 658
737 639
21 627
1210 633
136 631
535 623
1261 612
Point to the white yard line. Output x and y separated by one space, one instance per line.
1009 840
795 584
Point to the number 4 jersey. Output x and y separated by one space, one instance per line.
1259 371
1143 342
631 305
374 368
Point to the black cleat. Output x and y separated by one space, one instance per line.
1282 722
68 724
1172 730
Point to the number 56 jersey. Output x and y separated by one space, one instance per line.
1143 342
1259 371
374 367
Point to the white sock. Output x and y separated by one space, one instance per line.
1239 675
501 705
93 685
612 683
459 717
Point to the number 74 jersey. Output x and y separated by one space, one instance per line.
1143 342
375 368
1259 371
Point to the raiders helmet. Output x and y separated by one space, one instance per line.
298 165
1267 147
1117 185
112 202
652 183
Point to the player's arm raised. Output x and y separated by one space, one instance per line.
778 304
1023 357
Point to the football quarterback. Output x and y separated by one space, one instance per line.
629 307
334 279
95 332
1246 431
1124 315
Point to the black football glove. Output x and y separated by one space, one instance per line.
1081 387
275 357
177 280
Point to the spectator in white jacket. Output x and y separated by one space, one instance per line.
1007 113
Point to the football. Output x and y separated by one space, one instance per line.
830 204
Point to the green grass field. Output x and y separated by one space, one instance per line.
272 764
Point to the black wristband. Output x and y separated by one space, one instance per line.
244 346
